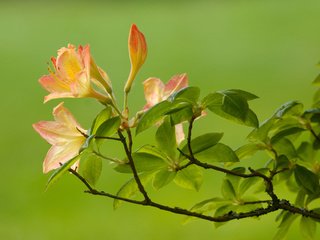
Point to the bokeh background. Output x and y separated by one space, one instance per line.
270 48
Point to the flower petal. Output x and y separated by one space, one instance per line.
68 62
153 91
176 83
179 133
58 155
52 84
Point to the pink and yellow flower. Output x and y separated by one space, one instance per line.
138 53
74 76
65 136
156 91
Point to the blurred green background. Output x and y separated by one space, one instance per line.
267 47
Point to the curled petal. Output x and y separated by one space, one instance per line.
175 84
179 133
153 91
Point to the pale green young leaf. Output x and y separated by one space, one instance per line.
153 150
109 127
221 211
190 178
286 133
57 174
91 167
287 220
162 178
143 162
153 115
130 188
261 133
166 138
246 184
227 190
308 228
217 153
234 180
203 142
103 116
285 146
249 150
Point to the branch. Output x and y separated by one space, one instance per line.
128 150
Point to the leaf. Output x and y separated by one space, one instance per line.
109 127
130 188
221 211
162 178
143 162
306 152
91 167
287 220
234 105
207 205
60 171
153 150
249 150
285 146
227 190
316 81
261 133
166 138
190 178
246 184
308 228
286 132
306 179
153 115
184 114
217 153
292 108
103 116
234 180
187 94
246 95
203 142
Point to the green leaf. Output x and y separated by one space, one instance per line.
57 174
103 116
153 115
130 188
234 105
316 81
109 127
244 94
217 153
203 142
306 179
166 138
143 162
286 132
285 146
91 167
292 108
249 150
153 150
308 228
306 152
221 211
190 178
188 94
162 178
227 190
212 100
207 205
184 114
287 220
261 133
234 180
246 184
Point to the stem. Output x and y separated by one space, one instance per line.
128 150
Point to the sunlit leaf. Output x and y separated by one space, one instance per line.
293 108
166 138
162 178
217 153
227 190
203 142
91 167
190 178
103 116
153 115
261 133
130 188
109 127
57 174
308 228
188 94
249 150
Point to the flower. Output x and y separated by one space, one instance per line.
75 71
137 51
156 91
64 134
